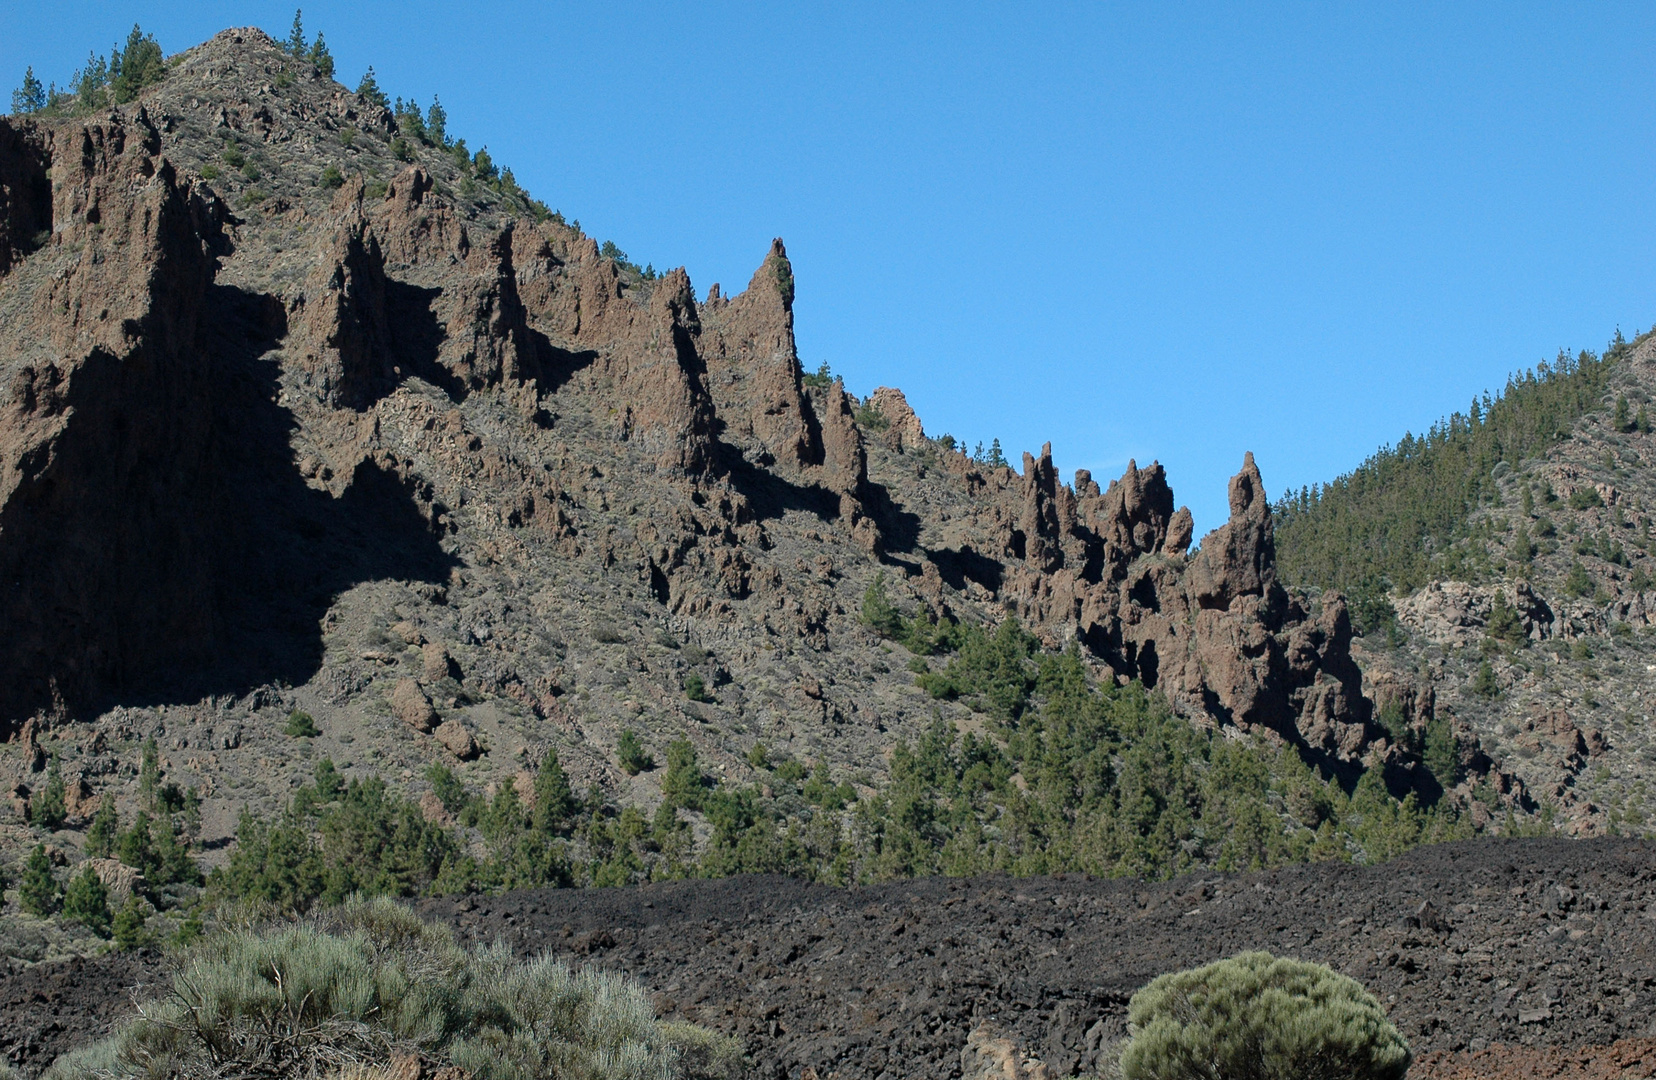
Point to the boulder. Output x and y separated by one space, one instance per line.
991 1055
412 707
436 663
121 880
457 740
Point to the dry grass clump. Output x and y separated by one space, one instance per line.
350 990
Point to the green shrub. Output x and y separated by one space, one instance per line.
332 178
370 980
1585 499
86 901
301 725
695 688
1255 1017
629 752
821 379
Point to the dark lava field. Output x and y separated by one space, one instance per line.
1541 942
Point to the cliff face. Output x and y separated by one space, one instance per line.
269 444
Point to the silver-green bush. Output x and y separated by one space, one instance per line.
371 981
1255 1017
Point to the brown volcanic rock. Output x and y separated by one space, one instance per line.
104 350
753 369
904 432
25 190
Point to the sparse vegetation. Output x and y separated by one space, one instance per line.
368 982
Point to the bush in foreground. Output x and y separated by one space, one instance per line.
1255 1017
369 983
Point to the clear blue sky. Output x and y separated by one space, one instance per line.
1137 230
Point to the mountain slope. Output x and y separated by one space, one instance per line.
306 414
1529 607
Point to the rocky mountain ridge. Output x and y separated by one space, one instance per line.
395 453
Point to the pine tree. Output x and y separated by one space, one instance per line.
90 81
321 58
997 459
38 890
149 773
295 43
369 90
50 805
31 96
138 65
555 802
105 830
630 755
1483 683
1622 419
86 901
437 123
128 925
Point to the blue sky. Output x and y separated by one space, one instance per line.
1136 230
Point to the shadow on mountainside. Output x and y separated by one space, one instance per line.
173 550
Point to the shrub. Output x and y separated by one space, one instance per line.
356 986
821 379
1255 1017
695 688
301 725
1585 499
86 901
629 752
332 178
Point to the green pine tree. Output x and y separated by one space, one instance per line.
31 96
149 773
86 901
555 801
127 927
38 889
1483 683
50 804
321 58
369 90
136 66
105 831
1623 421
295 43
437 123
1576 582
630 755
